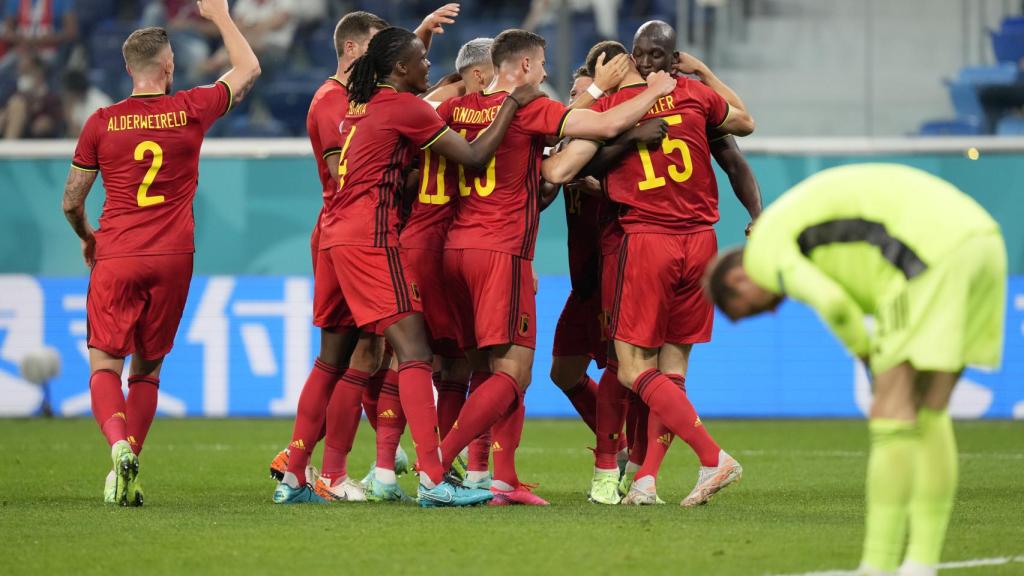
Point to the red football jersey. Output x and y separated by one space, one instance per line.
378 140
323 124
670 189
611 230
146 148
498 209
582 219
437 196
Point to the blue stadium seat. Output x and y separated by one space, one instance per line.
1010 126
288 97
955 127
1008 45
244 127
1012 24
105 54
319 47
963 91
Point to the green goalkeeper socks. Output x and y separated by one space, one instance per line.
890 481
934 486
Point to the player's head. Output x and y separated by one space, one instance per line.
395 55
654 47
353 33
609 48
147 55
474 63
520 54
581 80
727 284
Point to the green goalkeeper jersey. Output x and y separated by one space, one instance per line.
845 238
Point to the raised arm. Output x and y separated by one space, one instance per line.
728 155
476 154
738 121
76 189
609 124
434 23
245 67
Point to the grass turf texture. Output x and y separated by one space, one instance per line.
208 507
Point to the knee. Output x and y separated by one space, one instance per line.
559 374
628 373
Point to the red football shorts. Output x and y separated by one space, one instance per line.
580 331
491 298
659 297
134 304
373 284
330 310
426 279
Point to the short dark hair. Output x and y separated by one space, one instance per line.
143 45
355 26
581 72
610 49
715 287
512 43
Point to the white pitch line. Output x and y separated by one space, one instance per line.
958 565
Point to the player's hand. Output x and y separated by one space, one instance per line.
588 185
436 20
750 226
662 82
689 64
89 251
210 9
526 93
649 133
608 75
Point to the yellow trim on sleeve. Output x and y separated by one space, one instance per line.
231 96
565 118
435 138
728 112
83 168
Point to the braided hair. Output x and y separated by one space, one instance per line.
385 50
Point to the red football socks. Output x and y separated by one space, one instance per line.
611 416
659 438
417 394
141 405
493 399
583 396
451 395
343 413
673 408
310 415
371 394
505 436
108 406
390 420
480 447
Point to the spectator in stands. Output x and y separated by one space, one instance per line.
606 14
34 111
40 27
268 25
81 99
1001 100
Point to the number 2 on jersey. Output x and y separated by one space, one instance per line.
668 145
158 160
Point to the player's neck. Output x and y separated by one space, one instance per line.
630 79
341 74
504 82
148 86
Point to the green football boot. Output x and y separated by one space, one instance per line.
604 488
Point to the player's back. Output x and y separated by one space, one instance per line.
671 189
146 148
499 207
323 125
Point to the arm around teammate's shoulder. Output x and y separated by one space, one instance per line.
614 121
245 67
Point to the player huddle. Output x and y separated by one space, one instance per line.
422 256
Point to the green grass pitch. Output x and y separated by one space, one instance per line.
208 507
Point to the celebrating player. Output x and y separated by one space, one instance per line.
489 251
147 150
385 121
929 264
669 204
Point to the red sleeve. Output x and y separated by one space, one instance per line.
329 116
210 102
716 108
86 152
445 110
601 104
543 117
419 122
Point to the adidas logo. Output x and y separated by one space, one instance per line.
389 413
697 422
665 439
298 444
132 441
120 415
496 447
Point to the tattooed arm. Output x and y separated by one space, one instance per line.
75 190
245 67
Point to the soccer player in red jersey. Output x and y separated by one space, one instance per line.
669 200
147 149
489 250
384 125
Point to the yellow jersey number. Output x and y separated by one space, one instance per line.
142 197
343 160
668 146
483 187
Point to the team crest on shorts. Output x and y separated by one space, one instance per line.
524 324
415 291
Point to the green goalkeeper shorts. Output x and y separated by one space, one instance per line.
949 316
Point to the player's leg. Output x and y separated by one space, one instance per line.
382 482
451 389
895 443
612 398
570 357
478 474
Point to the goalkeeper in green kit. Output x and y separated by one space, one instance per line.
929 264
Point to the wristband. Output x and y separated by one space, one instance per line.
594 91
